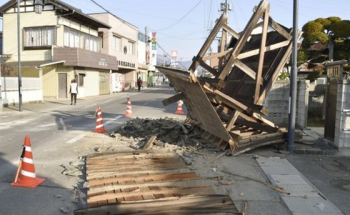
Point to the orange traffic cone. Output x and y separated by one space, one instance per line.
26 168
179 107
128 112
99 122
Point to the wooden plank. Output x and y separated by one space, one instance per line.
279 67
128 196
230 31
268 48
150 142
141 165
206 66
160 177
279 29
126 173
201 109
209 204
131 155
125 169
259 79
111 187
257 126
233 120
130 161
209 40
175 98
216 55
128 154
254 145
245 69
243 38
230 101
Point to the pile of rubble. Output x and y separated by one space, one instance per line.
140 131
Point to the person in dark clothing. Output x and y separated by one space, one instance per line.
139 83
73 91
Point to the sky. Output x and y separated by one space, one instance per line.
183 25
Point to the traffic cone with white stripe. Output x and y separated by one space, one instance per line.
26 168
99 122
128 112
179 107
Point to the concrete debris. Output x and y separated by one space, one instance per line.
65 210
72 170
86 185
167 131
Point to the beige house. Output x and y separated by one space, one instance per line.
59 44
121 41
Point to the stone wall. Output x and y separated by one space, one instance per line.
277 102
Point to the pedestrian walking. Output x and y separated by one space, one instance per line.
73 92
139 83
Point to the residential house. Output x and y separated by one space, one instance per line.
121 41
59 44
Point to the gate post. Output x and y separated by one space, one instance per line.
342 122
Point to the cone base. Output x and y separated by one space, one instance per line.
179 112
32 183
128 115
100 130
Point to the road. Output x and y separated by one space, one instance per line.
43 126
54 127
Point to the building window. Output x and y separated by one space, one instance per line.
130 47
39 37
81 80
76 39
116 43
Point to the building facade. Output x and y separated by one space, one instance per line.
60 44
120 41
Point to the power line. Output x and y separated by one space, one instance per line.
178 21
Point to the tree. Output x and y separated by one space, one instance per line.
331 31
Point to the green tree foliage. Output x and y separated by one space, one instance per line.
331 30
284 76
302 56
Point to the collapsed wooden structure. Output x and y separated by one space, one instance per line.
148 182
229 105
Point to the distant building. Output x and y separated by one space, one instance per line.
121 41
59 44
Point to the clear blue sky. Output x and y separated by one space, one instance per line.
183 24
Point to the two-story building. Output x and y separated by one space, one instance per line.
121 41
61 43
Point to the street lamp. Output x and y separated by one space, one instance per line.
38 6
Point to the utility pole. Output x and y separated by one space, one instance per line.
293 84
19 58
225 7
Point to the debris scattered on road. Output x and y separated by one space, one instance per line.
146 133
65 210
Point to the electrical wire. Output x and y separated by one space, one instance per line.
178 21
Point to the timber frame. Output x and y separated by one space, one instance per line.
229 105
